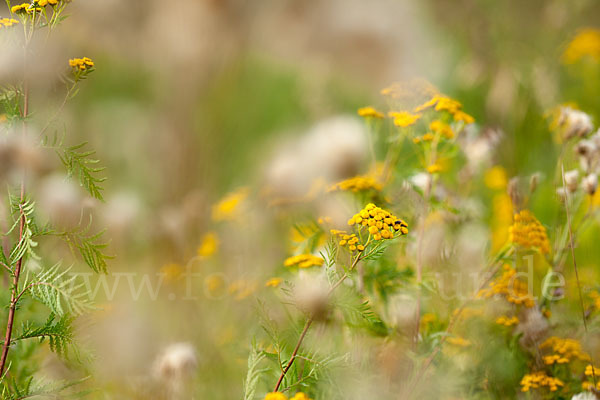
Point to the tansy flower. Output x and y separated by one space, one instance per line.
404 119
563 350
209 245
434 168
7 22
428 137
528 232
43 3
495 178
81 64
370 112
539 380
442 128
228 207
509 287
171 271
276 396
585 43
379 223
461 116
506 321
303 261
300 396
273 282
357 184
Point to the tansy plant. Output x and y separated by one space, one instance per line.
33 279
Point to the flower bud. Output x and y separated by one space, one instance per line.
590 183
572 180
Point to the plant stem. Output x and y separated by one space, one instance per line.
17 272
309 322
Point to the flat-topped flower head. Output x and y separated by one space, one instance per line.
404 119
276 396
26 8
585 44
563 351
441 128
539 380
304 261
379 223
82 64
358 184
509 287
528 232
43 3
370 112
8 22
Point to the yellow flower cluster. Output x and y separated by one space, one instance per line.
538 380
228 208
281 396
209 245
273 282
509 287
25 8
528 232
434 168
82 64
43 3
348 239
458 341
442 128
7 22
507 321
428 137
585 43
304 261
357 184
564 351
404 119
370 112
443 103
380 223
590 370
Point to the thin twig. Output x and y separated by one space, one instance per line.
309 322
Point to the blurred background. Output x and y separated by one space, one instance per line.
197 99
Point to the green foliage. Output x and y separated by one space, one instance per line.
80 164
58 333
88 246
254 372
58 291
35 388
23 211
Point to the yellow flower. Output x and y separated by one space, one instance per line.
370 112
81 64
404 119
506 321
442 128
303 261
538 380
461 116
585 43
43 3
228 208
273 282
209 245
171 271
300 396
509 287
357 184
528 232
275 396
495 178
428 137
8 22
563 351
434 168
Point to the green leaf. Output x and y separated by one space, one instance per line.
80 164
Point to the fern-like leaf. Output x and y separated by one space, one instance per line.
80 164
